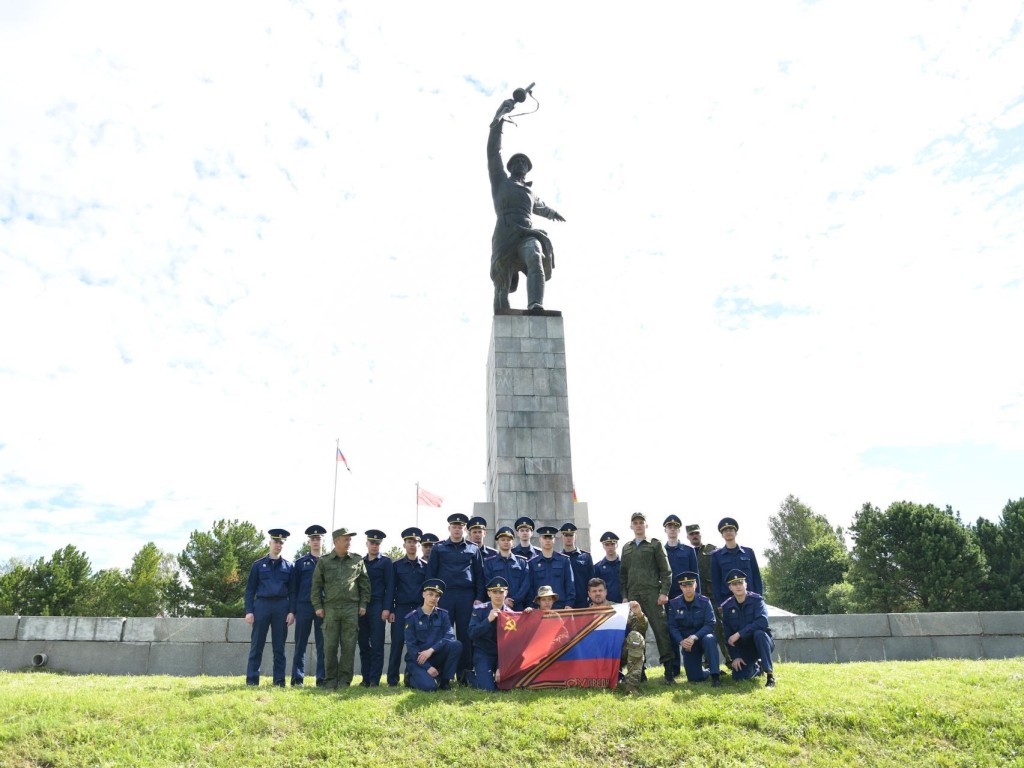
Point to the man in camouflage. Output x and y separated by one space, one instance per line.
340 594
646 576
635 642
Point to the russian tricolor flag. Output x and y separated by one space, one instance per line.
578 648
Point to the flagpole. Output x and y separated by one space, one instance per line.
334 503
417 504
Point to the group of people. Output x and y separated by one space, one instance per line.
442 601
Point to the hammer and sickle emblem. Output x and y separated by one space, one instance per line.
510 625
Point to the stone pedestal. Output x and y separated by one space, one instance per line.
529 461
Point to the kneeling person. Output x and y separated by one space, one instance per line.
745 623
483 630
691 625
635 644
432 652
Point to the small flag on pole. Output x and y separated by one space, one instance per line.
574 499
428 498
341 458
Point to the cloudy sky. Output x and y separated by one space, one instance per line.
232 233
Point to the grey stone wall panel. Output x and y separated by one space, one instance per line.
556 327
189 630
538 327
8 627
1002 623
541 440
907 648
782 627
178 659
811 650
1002 646
958 647
97 628
238 631
859 649
917 624
851 625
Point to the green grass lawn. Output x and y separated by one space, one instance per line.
968 713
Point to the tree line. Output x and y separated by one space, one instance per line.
909 557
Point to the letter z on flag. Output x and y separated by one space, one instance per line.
562 649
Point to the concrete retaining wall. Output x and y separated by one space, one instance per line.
117 646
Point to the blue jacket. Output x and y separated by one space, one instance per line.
609 571
424 631
582 572
527 552
556 572
459 565
407 577
685 619
724 560
681 558
515 571
482 632
302 582
745 617
268 578
382 579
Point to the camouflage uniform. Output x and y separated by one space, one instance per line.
340 588
633 652
645 574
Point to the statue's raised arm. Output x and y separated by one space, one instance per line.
516 245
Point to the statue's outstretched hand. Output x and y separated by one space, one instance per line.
506 106
556 216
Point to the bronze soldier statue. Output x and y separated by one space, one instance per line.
516 246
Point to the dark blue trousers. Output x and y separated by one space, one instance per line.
397 643
459 604
445 661
270 613
305 620
705 647
756 652
371 643
484 667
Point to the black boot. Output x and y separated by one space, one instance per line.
670 674
716 681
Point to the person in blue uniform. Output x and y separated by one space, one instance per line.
483 628
524 530
477 532
733 557
432 654
582 564
691 625
681 557
459 564
553 569
267 607
427 543
409 574
512 568
302 607
607 569
745 624
373 622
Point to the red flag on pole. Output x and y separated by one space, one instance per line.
427 498
341 458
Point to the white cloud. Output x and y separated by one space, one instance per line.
238 232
